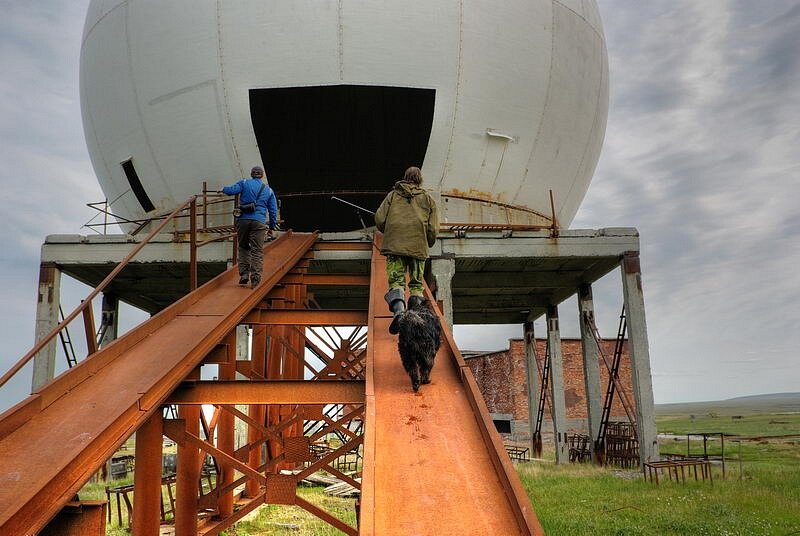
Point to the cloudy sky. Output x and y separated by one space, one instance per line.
702 155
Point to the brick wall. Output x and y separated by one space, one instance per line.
502 378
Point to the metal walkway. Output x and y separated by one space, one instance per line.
458 481
433 462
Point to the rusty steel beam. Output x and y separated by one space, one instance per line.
314 467
132 376
147 477
357 412
350 280
225 431
243 510
269 392
89 329
176 431
341 476
306 317
325 516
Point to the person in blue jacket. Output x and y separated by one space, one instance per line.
256 199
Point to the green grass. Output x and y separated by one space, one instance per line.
748 425
760 496
275 520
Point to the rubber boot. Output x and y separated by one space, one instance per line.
397 304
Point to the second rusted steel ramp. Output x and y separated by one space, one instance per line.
52 442
433 462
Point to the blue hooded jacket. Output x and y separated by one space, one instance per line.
266 202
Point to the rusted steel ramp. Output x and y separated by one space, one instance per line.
433 462
51 443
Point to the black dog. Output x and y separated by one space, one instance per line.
420 336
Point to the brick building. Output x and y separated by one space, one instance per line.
502 378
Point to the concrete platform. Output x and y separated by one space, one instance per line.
498 277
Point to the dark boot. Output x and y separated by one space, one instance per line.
397 304
244 279
255 279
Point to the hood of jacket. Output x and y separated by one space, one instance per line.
407 189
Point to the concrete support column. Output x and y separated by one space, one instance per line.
557 385
147 477
591 363
533 386
47 304
442 270
109 319
640 357
188 470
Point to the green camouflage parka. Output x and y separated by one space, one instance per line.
409 221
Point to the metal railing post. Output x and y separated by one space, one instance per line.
88 326
193 245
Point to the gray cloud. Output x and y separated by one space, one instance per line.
701 157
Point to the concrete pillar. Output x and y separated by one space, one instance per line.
442 270
557 386
640 357
591 363
533 385
47 306
147 477
109 319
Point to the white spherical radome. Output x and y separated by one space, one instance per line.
498 103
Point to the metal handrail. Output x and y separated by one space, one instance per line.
86 303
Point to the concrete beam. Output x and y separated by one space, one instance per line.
509 279
47 318
640 357
592 243
557 386
591 364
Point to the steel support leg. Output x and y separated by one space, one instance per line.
640 358
225 430
188 472
44 364
557 386
256 411
147 477
591 365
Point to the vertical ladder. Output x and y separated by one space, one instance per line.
66 342
544 374
614 385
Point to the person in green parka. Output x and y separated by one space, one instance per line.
409 221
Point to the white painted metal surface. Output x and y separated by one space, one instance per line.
520 107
